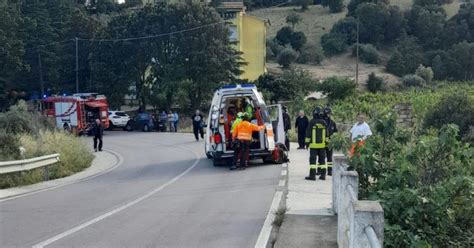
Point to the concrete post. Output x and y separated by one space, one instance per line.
366 214
349 181
338 166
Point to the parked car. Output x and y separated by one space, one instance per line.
118 119
142 121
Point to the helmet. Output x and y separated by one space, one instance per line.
240 115
317 112
327 111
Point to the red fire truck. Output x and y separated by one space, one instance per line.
77 113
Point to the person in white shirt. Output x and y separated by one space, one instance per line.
361 130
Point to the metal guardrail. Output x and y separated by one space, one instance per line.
360 224
28 164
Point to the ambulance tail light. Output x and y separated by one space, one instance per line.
217 138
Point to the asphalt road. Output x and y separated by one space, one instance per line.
164 194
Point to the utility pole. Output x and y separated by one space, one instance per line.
40 70
77 64
357 53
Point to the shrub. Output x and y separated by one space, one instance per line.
425 72
283 35
310 54
413 81
367 53
337 87
297 40
286 57
291 85
274 47
374 83
406 58
9 146
453 108
333 44
335 6
19 120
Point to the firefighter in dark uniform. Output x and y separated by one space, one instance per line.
330 129
316 142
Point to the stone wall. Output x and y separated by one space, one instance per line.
404 112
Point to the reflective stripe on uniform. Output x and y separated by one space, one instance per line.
322 166
313 143
329 164
312 166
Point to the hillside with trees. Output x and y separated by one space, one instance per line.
121 51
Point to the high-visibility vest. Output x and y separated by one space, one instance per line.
318 136
244 130
236 122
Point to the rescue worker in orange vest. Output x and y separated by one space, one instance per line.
241 136
316 142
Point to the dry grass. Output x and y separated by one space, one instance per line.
75 157
343 66
316 21
451 9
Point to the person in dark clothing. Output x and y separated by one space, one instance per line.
301 124
287 126
97 132
330 130
316 142
198 121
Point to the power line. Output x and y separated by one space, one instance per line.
48 44
153 36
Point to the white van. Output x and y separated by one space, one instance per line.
268 144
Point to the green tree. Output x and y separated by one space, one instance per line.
456 109
293 19
367 53
333 44
337 88
286 57
292 84
406 58
439 70
354 4
335 6
462 61
283 35
426 73
304 4
166 63
427 25
374 83
11 50
298 40
372 19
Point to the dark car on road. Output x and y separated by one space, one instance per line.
142 121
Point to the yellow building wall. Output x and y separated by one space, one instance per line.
251 33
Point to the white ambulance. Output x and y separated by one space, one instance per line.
268 144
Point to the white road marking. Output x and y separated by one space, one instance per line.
281 183
284 172
117 210
284 165
264 235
